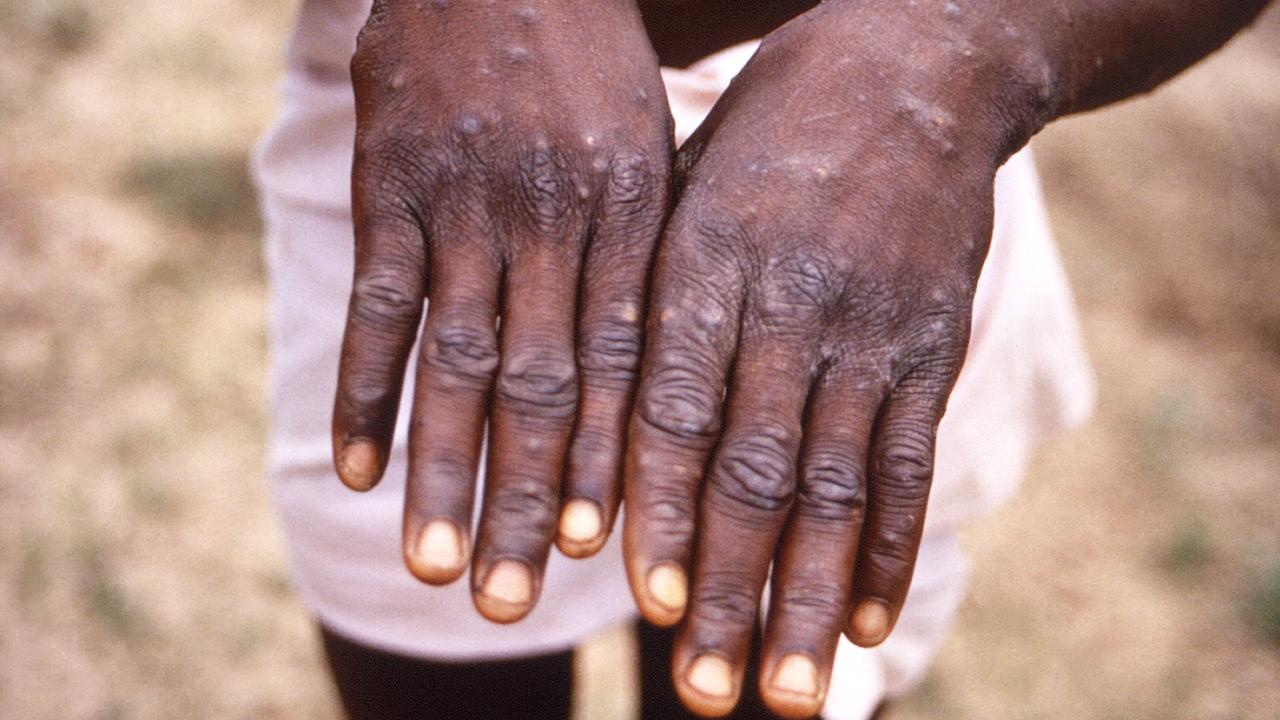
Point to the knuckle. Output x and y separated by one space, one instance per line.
831 484
462 349
545 187
930 374
610 349
715 245
721 230
888 555
446 462
756 466
392 171
721 223
941 333
365 395
523 505
724 599
385 298
539 382
904 462
633 185
868 308
406 156
804 279
668 509
680 404
818 601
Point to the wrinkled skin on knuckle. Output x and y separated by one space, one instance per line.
382 299
363 393
395 179
545 188
794 294
864 319
935 341
832 484
811 601
754 468
904 464
808 274
633 190
888 555
610 350
723 600
539 383
523 509
451 158
680 403
445 462
721 233
670 509
462 349
879 323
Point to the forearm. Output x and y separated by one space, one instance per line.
684 31
1101 51
994 72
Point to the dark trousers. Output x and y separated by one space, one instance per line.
376 685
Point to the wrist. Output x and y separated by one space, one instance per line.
981 71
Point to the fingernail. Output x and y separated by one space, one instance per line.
871 621
439 555
796 674
581 522
710 675
507 591
358 464
669 587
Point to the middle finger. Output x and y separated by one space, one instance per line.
744 506
534 403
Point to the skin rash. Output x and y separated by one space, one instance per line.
753 340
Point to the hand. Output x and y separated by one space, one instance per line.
513 162
810 313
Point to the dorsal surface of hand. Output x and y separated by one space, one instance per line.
810 313
512 161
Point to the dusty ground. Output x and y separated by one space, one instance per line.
1137 576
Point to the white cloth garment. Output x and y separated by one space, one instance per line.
1026 375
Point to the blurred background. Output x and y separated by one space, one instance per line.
1137 575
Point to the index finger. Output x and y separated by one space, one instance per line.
693 331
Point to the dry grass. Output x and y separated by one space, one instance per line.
1138 575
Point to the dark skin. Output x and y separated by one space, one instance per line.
720 24
811 256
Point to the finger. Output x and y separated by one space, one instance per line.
609 339
813 574
382 323
692 333
745 503
457 360
534 402
900 474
